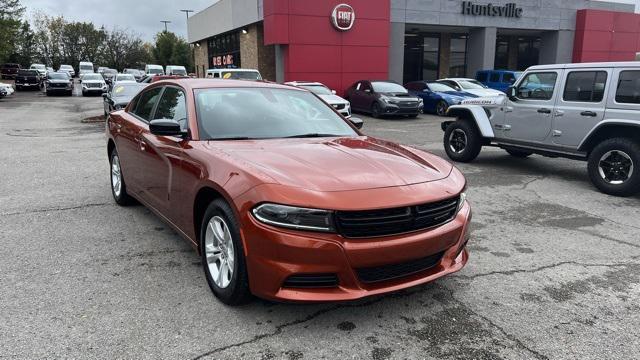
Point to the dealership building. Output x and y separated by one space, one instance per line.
340 42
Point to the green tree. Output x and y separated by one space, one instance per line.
172 50
10 14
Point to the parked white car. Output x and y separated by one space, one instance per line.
93 83
176 70
471 86
8 88
40 68
236 74
151 69
329 96
86 67
68 69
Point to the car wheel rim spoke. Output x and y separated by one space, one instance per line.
615 167
116 175
457 141
219 252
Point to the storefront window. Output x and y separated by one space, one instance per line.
224 50
528 52
502 53
412 57
458 56
430 58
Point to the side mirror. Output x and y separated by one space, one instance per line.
511 93
165 127
357 122
105 95
333 92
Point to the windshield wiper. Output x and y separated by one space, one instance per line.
311 135
232 138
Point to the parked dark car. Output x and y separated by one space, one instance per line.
120 95
58 82
27 78
437 97
381 97
498 79
9 70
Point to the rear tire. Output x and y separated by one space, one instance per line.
441 108
462 141
522 154
614 167
221 252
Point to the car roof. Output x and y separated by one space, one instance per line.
303 83
189 83
457 79
612 64
232 69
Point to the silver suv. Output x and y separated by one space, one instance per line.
588 111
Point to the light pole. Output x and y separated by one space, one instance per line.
187 12
165 24
193 51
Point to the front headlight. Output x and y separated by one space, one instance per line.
295 217
420 101
463 197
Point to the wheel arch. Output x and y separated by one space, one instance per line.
609 129
111 145
473 113
205 196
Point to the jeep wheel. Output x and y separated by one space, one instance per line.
462 141
613 167
519 153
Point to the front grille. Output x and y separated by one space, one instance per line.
60 85
394 271
339 106
407 104
94 85
400 220
311 281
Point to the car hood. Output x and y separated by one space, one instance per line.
121 100
460 94
337 164
333 99
58 81
484 92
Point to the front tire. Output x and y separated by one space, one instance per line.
375 110
222 254
462 141
118 186
614 167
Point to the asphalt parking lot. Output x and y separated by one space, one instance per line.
554 269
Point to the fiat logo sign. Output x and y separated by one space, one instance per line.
343 17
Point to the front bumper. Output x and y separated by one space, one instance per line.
274 254
393 109
86 90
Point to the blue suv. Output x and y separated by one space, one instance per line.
498 79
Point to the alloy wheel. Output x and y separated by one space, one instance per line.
116 176
457 141
615 167
219 251
441 108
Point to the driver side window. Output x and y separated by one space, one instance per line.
146 102
173 105
537 86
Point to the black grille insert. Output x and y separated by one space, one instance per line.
385 222
311 281
394 271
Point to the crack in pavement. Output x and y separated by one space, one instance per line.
545 267
55 209
509 336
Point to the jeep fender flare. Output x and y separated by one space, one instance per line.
586 143
474 113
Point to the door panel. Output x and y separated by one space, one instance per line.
529 117
581 106
128 129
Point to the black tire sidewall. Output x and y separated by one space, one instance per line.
473 147
375 110
237 292
441 102
123 199
628 146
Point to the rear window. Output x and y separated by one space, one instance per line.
628 90
508 78
27 73
495 77
482 77
585 86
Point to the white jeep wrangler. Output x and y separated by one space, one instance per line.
588 111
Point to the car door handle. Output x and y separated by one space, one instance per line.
143 144
544 111
588 113
558 113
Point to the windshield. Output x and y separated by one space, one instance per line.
387 87
27 73
86 67
156 71
125 77
471 84
317 89
439 87
59 76
241 75
179 71
127 90
92 77
263 113
66 67
110 72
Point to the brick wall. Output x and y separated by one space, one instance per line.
201 58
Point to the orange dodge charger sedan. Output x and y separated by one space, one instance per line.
283 197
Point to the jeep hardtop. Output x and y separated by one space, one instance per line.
586 111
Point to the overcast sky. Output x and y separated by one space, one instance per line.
139 16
